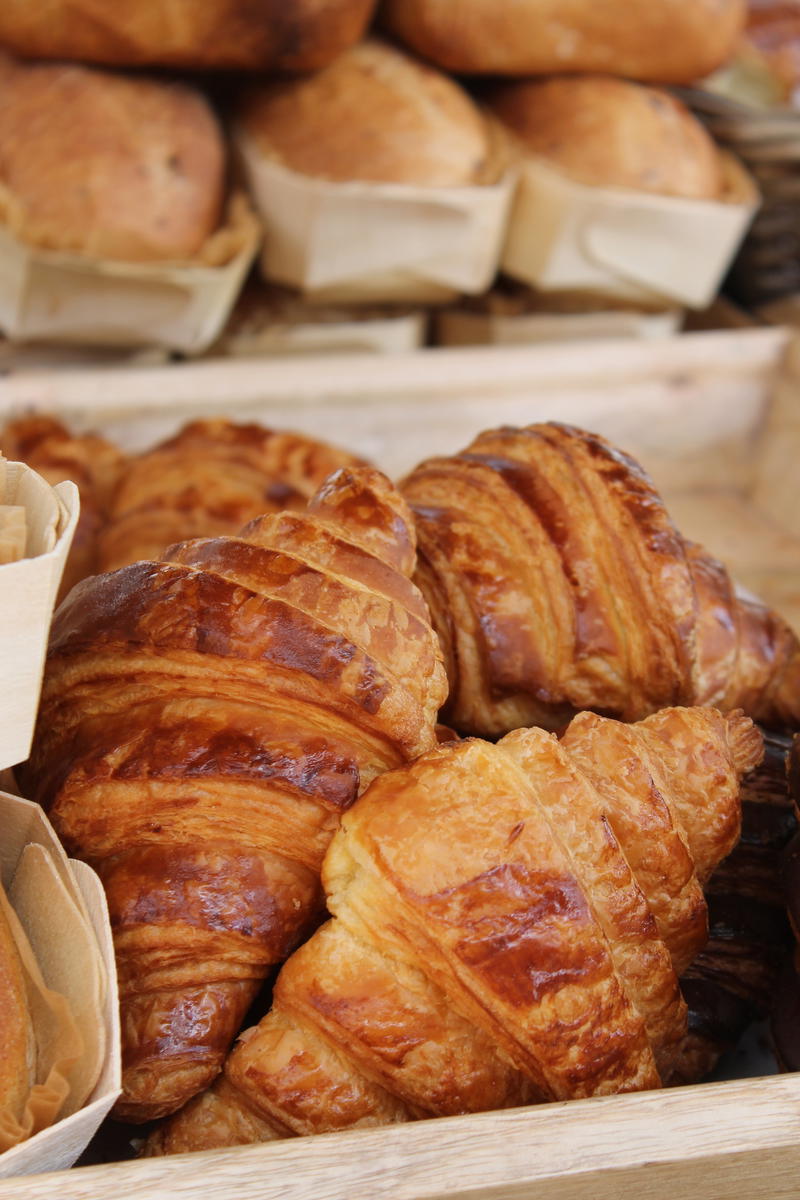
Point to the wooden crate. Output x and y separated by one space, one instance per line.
715 417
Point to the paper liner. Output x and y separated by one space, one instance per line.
622 243
12 532
53 918
58 296
367 242
58 1045
74 951
28 591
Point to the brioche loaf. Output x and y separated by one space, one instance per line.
302 35
664 41
609 132
109 166
374 115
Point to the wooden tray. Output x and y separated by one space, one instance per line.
715 417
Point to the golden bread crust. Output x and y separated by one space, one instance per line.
108 165
205 721
558 582
663 41
229 34
494 940
608 132
375 115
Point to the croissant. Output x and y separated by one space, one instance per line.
508 921
204 722
557 582
90 461
209 479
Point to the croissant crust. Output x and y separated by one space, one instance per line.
508 926
205 721
557 582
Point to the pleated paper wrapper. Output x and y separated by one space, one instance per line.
28 588
375 242
57 297
61 908
630 245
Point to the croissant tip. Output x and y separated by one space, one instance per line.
745 741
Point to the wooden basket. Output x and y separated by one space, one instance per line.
715 418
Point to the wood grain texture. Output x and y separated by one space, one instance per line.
688 407
723 1141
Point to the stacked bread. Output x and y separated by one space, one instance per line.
382 172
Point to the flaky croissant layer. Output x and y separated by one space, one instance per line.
557 582
508 926
205 720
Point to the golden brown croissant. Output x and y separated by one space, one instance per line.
557 582
91 462
204 722
507 924
210 479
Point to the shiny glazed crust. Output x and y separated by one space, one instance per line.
205 721
557 582
659 41
301 36
492 941
90 461
210 479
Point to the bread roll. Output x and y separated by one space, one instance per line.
374 115
666 41
609 132
17 1046
301 35
110 166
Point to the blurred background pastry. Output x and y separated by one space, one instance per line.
608 132
375 115
299 36
665 41
108 165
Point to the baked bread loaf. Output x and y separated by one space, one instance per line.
375 115
557 582
209 479
609 132
90 461
660 41
301 36
507 924
17 1043
204 722
112 166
